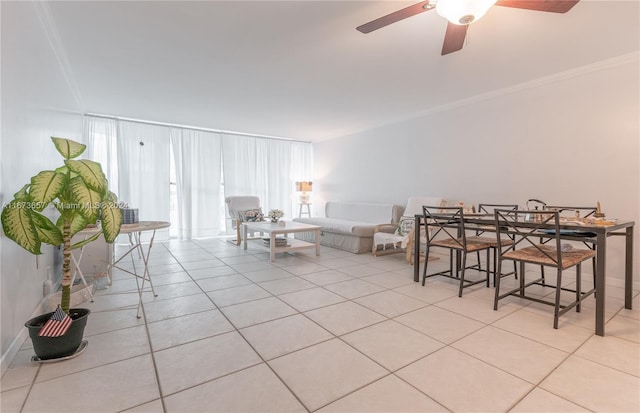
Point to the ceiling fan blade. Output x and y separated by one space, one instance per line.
554 6
396 16
454 38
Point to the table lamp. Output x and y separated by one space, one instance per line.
304 187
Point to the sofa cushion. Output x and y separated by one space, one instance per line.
341 226
360 212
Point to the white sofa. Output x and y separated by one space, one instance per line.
350 226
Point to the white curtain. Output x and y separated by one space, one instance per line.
143 170
275 175
267 168
137 160
100 135
301 168
198 180
239 163
301 161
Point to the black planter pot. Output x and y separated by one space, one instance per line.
48 348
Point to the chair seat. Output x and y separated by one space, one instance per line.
472 245
491 240
536 256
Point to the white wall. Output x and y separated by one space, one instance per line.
573 140
37 103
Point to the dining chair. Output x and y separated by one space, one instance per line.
480 230
527 249
577 213
446 229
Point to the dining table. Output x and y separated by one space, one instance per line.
594 231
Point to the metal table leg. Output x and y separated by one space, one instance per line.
76 263
601 252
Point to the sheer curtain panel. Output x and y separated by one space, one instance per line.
301 168
275 175
100 135
267 168
239 164
144 170
198 181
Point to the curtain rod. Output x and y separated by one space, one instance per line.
175 125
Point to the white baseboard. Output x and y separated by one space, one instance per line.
18 341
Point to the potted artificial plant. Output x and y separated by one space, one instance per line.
78 191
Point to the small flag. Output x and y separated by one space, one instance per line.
57 325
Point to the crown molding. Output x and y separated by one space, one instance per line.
617 61
542 81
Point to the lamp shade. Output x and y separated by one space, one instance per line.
463 12
304 186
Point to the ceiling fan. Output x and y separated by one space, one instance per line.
461 13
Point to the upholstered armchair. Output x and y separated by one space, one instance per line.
241 209
392 238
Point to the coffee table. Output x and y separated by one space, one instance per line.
274 229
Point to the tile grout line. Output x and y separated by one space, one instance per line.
237 330
340 337
152 352
31 385
263 361
390 289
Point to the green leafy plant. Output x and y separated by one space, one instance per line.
79 192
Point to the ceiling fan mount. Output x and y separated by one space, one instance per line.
467 19
461 13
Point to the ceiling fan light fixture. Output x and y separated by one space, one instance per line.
463 12
430 5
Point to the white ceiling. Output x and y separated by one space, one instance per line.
299 69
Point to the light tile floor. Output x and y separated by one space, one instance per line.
232 332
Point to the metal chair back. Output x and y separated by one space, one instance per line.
444 225
528 232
